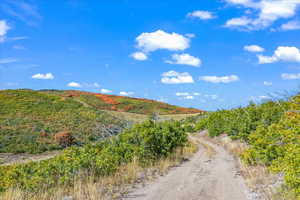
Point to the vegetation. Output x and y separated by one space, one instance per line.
123 104
30 122
144 143
272 131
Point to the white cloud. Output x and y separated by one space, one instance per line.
139 56
162 40
291 25
237 22
8 60
266 59
48 76
253 48
74 84
286 76
268 11
220 79
200 14
173 77
267 83
105 91
3 30
182 94
126 93
184 59
189 97
196 94
288 54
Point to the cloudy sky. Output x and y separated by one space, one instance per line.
208 54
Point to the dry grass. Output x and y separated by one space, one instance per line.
111 187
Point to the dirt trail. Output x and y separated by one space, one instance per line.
10 158
203 177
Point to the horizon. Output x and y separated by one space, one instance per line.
202 54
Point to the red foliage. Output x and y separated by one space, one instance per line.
107 99
64 138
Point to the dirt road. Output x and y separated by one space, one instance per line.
206 176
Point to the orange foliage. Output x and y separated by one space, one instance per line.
107 99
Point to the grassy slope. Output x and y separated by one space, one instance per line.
29 120
124 104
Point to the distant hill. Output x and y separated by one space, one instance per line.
123 104
37 121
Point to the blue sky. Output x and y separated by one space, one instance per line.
207 54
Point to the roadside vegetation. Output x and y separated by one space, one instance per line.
272 131
144 144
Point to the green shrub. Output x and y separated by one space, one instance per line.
146 142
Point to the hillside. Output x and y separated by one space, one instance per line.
121 103
34 122
38 121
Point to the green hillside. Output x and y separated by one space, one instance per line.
122 104
30 121
38 121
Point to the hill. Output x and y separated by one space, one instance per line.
38 121
33 122
122 104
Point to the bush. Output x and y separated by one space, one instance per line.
272 131
146 142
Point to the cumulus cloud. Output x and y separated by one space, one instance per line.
220 79
173 77
139 56
123 93
184 59
267 83
268 11
47 76
291 25
253 48
160 39
3 30
286 76
105 91
200 14
282 53
74 84
8 60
